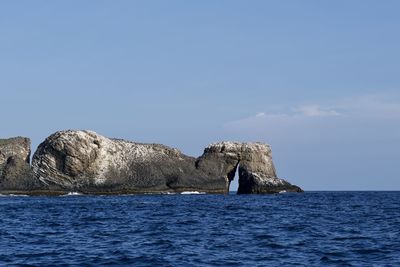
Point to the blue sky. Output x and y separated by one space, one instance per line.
318 80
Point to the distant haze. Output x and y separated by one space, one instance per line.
318 80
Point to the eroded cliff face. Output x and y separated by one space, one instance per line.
256 169
15 172
87 162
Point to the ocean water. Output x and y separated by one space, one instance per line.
308 229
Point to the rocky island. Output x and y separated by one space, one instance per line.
86 162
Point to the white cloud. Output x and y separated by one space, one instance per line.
316 111
261 114
377 106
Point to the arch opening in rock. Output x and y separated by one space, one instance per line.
233 180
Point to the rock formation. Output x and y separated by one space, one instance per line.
86 162
256 169
15 172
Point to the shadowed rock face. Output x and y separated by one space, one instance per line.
256 170
87 162
15 172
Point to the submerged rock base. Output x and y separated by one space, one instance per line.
86 162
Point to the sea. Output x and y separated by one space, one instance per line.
288 229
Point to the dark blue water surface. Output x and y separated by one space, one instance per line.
309 229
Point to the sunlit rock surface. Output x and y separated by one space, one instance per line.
256 169
84 161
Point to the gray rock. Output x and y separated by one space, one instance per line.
15 172
86 162
256 169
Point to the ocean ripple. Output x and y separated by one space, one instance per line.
310 229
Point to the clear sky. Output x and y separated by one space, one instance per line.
318 80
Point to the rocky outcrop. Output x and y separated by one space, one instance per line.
15 172
86 162
256 169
